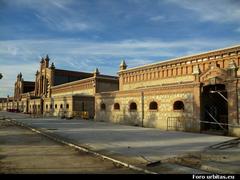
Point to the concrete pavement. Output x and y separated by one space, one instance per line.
25 152
136 145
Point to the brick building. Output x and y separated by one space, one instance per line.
178 94
197 93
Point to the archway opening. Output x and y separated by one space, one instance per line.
214 109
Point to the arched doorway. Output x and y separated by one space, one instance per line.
214 109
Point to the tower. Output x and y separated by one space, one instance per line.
123 65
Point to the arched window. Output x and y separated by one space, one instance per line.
133 106
55 106
153 105
61 106
67 106
46 106
178 105
116 106
103 107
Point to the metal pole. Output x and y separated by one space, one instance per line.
220 95
142 108
215 120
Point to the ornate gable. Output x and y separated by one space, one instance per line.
214 75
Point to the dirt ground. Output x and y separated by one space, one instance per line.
23 151
222 158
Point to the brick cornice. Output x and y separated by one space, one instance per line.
220 52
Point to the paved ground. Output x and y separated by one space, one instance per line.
23 151
141 146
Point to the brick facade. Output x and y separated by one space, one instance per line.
193 93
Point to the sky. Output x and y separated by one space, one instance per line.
81 35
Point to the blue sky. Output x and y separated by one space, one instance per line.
84 34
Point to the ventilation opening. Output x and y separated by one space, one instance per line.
116 106
103 107
153 106
133 106
178 105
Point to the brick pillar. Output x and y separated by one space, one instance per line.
233 114
196 126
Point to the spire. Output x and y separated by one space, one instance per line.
123 65
52 66
37 73
42 60
46 61
20 76
47 58
96 72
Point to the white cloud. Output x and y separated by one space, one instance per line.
10 73
138 62
238 29
157 18
74 26
123 48
57 15
76 48
63 24
219 11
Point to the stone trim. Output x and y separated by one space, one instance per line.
147 91
177 68
74 83
215 54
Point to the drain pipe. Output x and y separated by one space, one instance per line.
142 95
238 120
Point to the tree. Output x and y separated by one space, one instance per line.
1 75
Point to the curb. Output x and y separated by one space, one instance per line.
59 140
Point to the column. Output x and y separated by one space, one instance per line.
233 109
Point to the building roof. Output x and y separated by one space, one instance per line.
29 83
183 58
3 99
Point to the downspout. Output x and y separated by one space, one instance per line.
237 92
142 96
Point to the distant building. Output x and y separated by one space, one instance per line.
58 92
198 93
